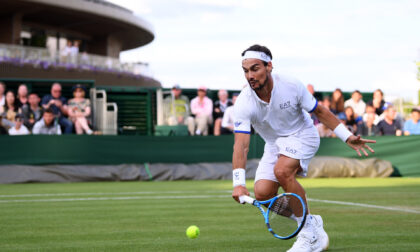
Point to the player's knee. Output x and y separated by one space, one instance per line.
263 195
284 176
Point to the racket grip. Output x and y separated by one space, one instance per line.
246 199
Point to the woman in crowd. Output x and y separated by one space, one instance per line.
337 102
378 102
11 108
350 119
79 110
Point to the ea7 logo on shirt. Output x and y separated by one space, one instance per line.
285 105
237 124
290 150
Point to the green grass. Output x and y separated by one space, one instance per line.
147 223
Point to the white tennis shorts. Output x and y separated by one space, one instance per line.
302 145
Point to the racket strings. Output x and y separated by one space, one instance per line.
282 207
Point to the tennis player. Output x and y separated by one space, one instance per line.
278 109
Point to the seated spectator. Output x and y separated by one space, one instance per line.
389 126
79 110
32 112
176 110
378 102
58 104
3 130
350 119
343 119
371 110
202 108
11 109
19 128
356 103
337 102
367 127
22 95
2 97
48 125
227 121
219 109
412 126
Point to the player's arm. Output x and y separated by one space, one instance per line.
240 153
355 142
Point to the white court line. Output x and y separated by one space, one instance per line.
173 197
398 209
105 193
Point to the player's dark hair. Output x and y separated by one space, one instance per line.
49 110
259 48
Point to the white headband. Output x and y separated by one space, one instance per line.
256 55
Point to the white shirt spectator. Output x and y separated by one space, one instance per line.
358 108
228 120
41 129
21 131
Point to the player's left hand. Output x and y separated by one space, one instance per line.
360 144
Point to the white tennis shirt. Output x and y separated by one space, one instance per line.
284 115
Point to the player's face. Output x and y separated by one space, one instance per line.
256 73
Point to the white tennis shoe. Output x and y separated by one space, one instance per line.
306 242
318 225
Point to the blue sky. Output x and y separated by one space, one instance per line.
330 43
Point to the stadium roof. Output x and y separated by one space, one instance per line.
85 19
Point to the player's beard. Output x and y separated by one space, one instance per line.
262 85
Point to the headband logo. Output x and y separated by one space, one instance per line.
256 55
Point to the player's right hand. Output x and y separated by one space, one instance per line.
238 191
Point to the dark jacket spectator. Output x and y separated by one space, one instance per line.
22 95
378 101
389 126
32 112
337 102
58 105
219 109
368 127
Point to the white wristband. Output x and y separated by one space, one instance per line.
238 176
342 132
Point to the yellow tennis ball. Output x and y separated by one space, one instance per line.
192 232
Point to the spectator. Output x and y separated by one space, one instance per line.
11 108
19 128
79 110
58 104
74 51
324 131
371 110
367 127
343 119
219 109
202 108
378 102
2 98
337 102
48 125
227 121
22 95
65 53
356 103
32 112
177 109
412 126
3 130
350 119
389 126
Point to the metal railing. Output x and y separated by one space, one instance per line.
41 56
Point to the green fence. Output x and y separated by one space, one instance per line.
402 152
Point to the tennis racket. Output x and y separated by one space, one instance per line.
282 214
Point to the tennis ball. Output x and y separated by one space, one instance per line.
192 232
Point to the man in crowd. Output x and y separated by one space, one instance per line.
47 125
389 125
177 109
202 108
412 126
19 128
31 111
219 109
356 103
368 127
58 105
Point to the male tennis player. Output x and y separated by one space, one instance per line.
278 108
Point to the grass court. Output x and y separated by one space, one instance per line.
360 214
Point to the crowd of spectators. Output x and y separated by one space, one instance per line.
376 117
26 113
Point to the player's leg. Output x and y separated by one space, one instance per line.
265 189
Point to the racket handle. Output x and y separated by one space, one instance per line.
246 199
